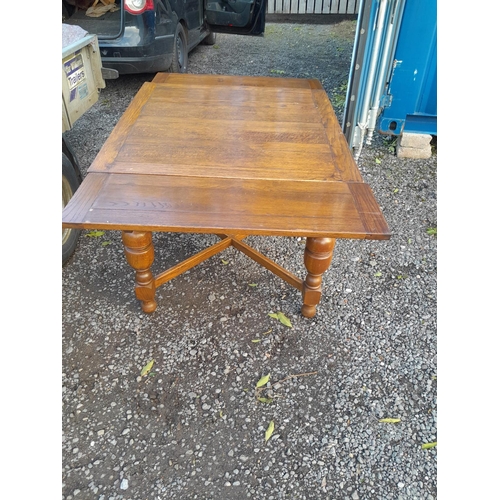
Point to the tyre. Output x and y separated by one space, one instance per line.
180 59
210 39
70 184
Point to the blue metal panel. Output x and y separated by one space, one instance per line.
412 90
377 32
393 78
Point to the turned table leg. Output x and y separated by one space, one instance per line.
140 255
317 258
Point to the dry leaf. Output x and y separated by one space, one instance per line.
426 446
270 430
147 368
94 234
265 400
263 381
282 318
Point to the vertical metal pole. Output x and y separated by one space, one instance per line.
370 80
384 64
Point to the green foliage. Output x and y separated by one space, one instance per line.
391 143
339 95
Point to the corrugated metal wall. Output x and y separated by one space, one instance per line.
312 6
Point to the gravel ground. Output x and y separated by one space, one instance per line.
193 427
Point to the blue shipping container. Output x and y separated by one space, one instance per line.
393 79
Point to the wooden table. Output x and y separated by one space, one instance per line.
232 156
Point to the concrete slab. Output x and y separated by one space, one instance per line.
414 146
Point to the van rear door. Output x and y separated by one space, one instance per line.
239 17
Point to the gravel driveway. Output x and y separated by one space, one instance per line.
193 428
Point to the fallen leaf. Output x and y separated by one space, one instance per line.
281 318
390 420
147 368
263 381
378 161
106 243
268 331
426 446
265 400
270 430
252 284
94 234
255 340
224 261
284 320
377 274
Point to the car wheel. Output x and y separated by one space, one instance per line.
69 186
180 59
210 39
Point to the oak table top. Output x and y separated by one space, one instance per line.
228 155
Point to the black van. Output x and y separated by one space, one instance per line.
147 36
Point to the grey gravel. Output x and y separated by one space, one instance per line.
193 429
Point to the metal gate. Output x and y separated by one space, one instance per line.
312 6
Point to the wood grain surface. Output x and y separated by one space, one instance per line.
219 154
